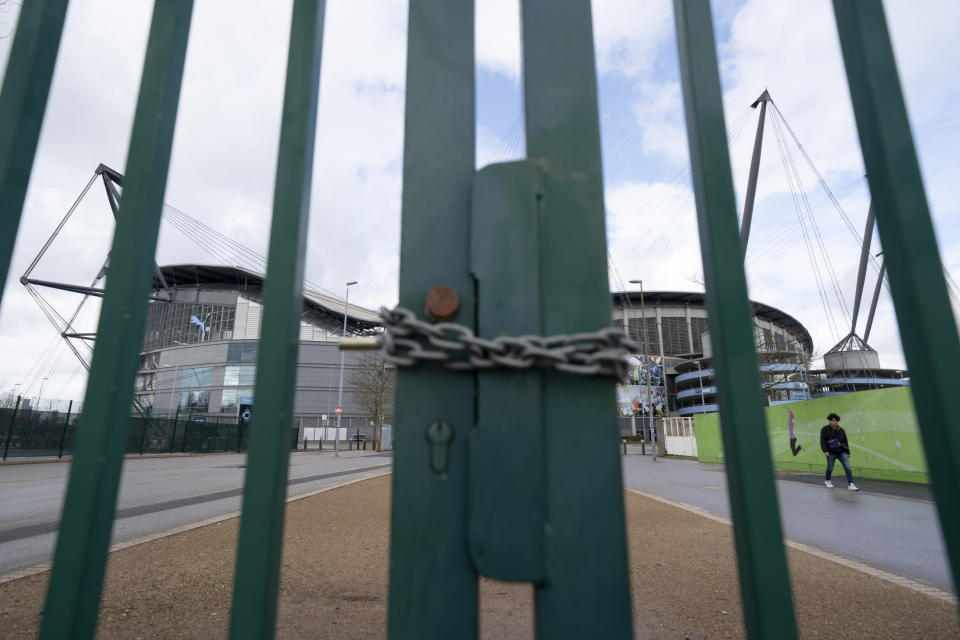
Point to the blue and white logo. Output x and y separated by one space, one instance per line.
203 325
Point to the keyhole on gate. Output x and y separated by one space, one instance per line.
439 435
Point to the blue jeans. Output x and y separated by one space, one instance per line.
832 458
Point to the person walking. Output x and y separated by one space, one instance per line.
833 443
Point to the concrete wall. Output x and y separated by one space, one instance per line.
881 428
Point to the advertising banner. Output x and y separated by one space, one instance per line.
881 429
632 396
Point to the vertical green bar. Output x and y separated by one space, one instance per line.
587 593
23 101
433 586
758 536
926 320
265 488
73 598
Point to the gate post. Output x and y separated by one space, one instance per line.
917 285
433 585
758 535
76 580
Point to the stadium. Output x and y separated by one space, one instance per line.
671 329
200 344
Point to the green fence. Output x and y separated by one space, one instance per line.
452 519
881 427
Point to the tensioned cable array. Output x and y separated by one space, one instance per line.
674 196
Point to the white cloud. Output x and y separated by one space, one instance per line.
498 37
652 235
659 116
628 34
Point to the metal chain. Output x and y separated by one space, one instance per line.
408 341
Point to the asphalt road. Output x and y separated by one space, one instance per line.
890 529
156 494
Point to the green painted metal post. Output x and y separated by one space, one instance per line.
186 432
13 421
433 586
23 101
73 598
758 536
588 591
919 291
173 437
66 425
265 488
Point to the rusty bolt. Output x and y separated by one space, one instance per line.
442 303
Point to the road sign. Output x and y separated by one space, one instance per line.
338 410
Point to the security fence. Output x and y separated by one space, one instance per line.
523 246
27 433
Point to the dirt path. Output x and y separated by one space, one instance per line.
682 567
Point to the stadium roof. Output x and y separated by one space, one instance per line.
696 298
192 275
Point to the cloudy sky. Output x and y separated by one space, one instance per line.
224 153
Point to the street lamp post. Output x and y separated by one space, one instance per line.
346 310
646 366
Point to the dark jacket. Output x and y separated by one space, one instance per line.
834 441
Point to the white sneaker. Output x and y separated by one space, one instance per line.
852 487
828 483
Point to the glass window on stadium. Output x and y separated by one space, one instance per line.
242 352
236 375
230 400
146 382
768 343
195 401
196 377
170 322
698 328
652 344
675 337
780 341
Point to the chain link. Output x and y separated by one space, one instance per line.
408 341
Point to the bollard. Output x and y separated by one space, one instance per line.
643 447
624 446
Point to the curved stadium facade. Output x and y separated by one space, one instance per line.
199 350
671 327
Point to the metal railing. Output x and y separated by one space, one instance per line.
31 433
451 517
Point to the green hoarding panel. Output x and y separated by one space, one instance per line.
881 427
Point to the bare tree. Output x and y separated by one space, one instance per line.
8 400
374 383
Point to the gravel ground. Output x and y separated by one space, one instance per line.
682 567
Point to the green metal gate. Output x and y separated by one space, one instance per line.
463 504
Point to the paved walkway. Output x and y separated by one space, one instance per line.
682 568
879 526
